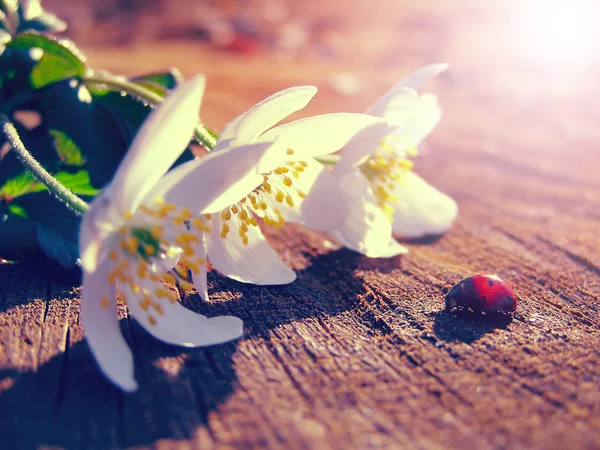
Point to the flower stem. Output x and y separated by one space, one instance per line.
57 188
202 134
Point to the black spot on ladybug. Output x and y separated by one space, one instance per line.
490 282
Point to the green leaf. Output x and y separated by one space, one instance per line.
40 144
71 110
160 83
100 123
78 182
36 223
19 185
56 246
127 111
60 59
69 152
130 112
17 210
56 227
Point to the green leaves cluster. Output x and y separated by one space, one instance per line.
78 129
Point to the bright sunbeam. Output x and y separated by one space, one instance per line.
562 34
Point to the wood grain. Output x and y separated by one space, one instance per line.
357 353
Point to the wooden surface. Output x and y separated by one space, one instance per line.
358 353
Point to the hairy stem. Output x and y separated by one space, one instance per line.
57 188
202 134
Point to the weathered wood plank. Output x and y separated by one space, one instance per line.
358 353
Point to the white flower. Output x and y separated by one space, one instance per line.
376 173
129 238
288 184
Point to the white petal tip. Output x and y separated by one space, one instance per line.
128 386
88 262
440 67
196 85
422 210
308 88
394 249
432 224
282 277
225 328
118 376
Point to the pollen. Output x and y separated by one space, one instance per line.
278 187
191 265
162 292
169 279
148 238
385 169
186 286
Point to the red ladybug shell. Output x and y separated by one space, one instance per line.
486 293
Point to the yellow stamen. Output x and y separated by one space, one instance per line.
169 279
385 169
187 287
162 292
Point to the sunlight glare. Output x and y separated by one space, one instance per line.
563 34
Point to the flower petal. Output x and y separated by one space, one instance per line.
421 209
394 249
199 276
262 116
103 333
218 180
419 77
425 117
361 145
366 228
396 105
319 135
324 206
97 225
255 262
163 137
180 326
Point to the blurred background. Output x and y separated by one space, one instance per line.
523 50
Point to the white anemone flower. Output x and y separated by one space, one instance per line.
129 237
386 195
287 185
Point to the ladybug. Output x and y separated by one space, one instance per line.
482 293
